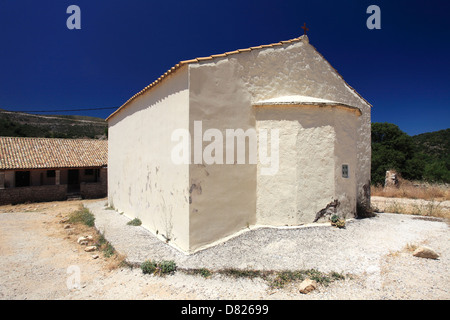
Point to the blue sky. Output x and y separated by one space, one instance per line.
403 70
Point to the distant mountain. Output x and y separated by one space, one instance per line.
20 124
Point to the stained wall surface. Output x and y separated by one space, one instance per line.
143 181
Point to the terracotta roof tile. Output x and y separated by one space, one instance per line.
219 55
46 153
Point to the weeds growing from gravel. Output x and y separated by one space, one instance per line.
105 246
205 273
148 267
159 268
85 217
242 273
82 215
275 279
337 222
134 222
282 278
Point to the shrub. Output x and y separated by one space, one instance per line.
336 276
148 266
84 216
109 250
337 222
159 268
134 222
104 246
167 267
205 273
335 218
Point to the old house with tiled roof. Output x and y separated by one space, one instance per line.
44 169
304 132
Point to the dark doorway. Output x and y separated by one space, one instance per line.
73 181
22 178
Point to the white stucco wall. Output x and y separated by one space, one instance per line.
299 69
277 194
227 200
314 143
345 151
221 94
199 204
143 181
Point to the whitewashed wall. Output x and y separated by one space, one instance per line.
299 69
198 205
305 182
224 199
221 94
143 181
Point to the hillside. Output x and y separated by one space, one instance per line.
422 157
18 124
434 144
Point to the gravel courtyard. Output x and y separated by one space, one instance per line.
36 255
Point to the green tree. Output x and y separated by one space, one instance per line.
437 171
422 157
391 149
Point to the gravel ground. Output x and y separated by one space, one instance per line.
36 255
356 249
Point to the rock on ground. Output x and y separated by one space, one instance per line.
425 252
307 286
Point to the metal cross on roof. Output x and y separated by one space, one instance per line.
305 29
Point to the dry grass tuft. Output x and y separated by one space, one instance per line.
116 261
433 194
411 247
414 190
